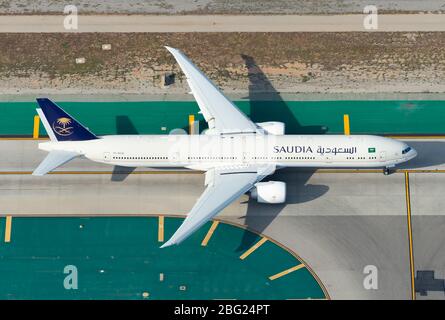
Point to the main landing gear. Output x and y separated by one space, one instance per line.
387 171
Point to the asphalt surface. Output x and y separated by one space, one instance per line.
222 23
338 221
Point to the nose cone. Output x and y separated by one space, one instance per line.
412 153
408 152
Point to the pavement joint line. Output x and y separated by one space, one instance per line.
209 233
8 227
253 248
161 229
287 271
410 235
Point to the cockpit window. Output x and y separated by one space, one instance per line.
406 150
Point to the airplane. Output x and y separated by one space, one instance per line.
235 153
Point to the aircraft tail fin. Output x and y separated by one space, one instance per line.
59 125
53 160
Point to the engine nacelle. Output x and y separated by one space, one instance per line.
273 127
269 192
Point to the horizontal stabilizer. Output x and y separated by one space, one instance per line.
54 160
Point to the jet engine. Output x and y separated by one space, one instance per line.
269 192
272 127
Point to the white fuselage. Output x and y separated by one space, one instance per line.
201 152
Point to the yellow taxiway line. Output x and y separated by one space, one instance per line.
285 272
161 229
8 227
346 129
191 124
410 235
35 132
209 233
253 248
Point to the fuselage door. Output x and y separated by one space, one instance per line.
248 148
175 156
107 156
382 156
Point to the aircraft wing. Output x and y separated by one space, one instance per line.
224 185
219 112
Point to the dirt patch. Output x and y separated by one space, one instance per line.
323 61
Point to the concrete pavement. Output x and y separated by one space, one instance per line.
222 23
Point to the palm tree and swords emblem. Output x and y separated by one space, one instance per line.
62 126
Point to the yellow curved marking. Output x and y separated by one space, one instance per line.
161 229
287 271
253 248
237 225
282 246
209 233
8 227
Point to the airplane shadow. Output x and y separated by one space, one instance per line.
123 126
266 103
120 173
260 215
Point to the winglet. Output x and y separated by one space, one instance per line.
168 244
170 49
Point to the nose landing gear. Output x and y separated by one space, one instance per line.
387 171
